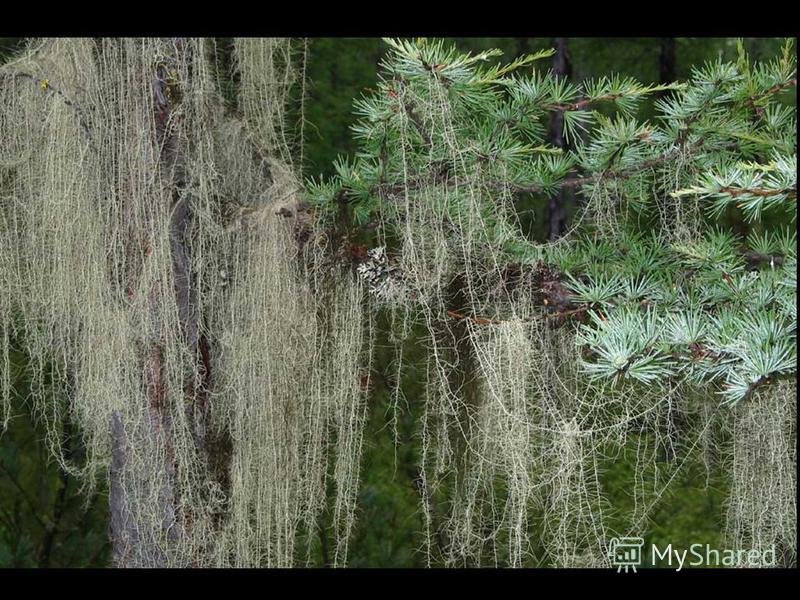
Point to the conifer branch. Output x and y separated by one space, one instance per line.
608 174
582 104
779 87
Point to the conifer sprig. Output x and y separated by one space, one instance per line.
470 134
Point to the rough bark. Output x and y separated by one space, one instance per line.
123 531
133 545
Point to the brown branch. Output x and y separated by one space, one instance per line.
792 192
773 90
581 104
566 313
477 320
484 321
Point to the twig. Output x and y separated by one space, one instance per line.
566 313
476 320
608 174
485 321
581 104
790 192
773 90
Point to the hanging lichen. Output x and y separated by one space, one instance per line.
212 369
210 318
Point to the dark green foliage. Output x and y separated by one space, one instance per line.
45 520
339 69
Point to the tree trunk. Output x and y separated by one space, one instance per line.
523 45
131 547
666 61
556 209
